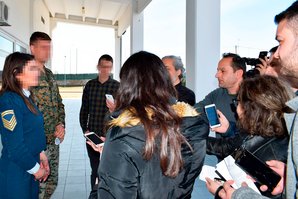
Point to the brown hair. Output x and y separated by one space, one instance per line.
263 101
36 36
14 65
146 85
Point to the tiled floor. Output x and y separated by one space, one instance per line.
74 169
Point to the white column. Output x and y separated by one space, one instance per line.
136 29
117 58
202 45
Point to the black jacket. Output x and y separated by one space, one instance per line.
265 148
125 174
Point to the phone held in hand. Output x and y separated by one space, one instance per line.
212 115
110 97
92 137
257 169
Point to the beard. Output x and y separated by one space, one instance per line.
292 81
289 69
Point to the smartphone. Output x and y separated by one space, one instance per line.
212 115
257 169
92 137
110 97
263 54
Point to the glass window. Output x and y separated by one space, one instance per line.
2 59
20 48
6 45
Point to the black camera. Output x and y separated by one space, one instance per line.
255 61
251 61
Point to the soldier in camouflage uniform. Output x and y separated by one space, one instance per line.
49 102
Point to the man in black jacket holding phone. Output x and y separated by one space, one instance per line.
95 106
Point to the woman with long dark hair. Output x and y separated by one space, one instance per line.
23 163
155 147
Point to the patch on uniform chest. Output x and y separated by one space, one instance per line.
9 120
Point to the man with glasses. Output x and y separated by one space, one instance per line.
95 106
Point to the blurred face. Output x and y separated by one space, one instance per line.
174 74
41 50
29 76
226 76
287 50
105 68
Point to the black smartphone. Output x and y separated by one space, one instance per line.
92 137
212 115
257 169
263 54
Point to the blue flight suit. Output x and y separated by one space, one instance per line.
23 138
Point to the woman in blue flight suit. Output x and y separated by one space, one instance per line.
23 163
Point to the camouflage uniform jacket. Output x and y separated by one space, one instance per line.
47 97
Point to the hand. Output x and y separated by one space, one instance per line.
60 132
227 191
212 185
224 123
262 67
41 175
99 147
44 164
111 105
279 168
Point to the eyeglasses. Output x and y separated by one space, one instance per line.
236 102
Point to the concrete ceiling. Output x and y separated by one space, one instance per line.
97 12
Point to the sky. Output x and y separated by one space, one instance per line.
247 24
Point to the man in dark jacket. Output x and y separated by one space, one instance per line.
95 106
176 70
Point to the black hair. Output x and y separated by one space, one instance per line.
289 13
237 62
39 36
273 50
105 57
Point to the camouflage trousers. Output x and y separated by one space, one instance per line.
46 189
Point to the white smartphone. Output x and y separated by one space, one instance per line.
92 137
212 115
110 97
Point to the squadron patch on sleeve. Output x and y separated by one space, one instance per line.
9 120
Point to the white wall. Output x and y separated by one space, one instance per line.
202 45
25 17
19 19
41 11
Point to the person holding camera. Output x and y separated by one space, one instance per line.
269 65
23 163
